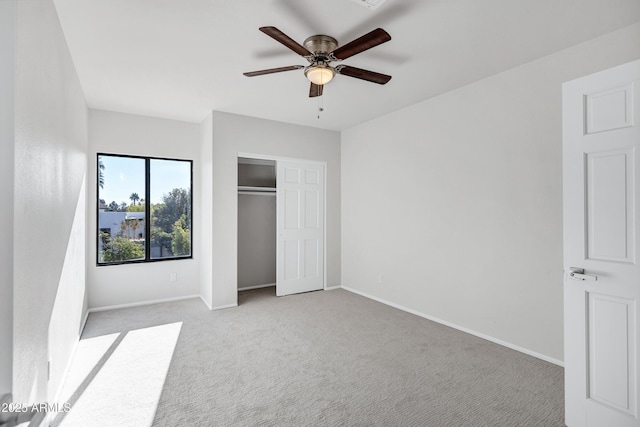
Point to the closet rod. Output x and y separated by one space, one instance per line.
257 193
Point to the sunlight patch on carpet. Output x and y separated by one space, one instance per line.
126 390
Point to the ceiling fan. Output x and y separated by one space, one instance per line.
320 51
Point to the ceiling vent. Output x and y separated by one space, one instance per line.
370 4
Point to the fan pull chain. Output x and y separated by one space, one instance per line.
320 106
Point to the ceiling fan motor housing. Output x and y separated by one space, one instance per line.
320 45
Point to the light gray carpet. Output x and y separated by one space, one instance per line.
333 358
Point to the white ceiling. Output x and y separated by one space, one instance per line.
180 59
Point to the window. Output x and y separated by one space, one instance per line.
144 209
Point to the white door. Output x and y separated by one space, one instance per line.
300 227
601 171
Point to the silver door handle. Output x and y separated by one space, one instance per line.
578 274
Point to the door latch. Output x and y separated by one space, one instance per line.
578 274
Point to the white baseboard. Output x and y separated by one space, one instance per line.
58 393
141 303
269 285
460 328
248 288
222 307
63 379
205 302
84 322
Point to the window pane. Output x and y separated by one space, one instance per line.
170 208
121 216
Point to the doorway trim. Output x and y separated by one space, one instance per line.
324 221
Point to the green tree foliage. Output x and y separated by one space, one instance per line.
122 249
136 208
170 228
122 207
134 198
160 237
170 222
181 241
176 203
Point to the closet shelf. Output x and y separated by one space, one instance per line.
247 189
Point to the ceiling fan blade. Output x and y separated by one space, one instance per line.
359 73
273 70
369 40
281 37
315 90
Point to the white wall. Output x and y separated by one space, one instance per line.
256 239
119 133
205 208
49 204
7 41
233 134
457 201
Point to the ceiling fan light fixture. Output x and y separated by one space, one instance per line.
370 4
319 74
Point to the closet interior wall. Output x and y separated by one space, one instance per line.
256 223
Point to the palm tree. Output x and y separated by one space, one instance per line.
100 173
135 224
134 198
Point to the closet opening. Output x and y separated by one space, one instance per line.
256 227
281 226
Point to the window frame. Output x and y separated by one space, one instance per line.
147 210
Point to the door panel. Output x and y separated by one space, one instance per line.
611 369
610 211
311 262
292 209
312 177
601 142
292 175
609 109
300 228
311 201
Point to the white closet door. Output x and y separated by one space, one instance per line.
300 227
601 161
